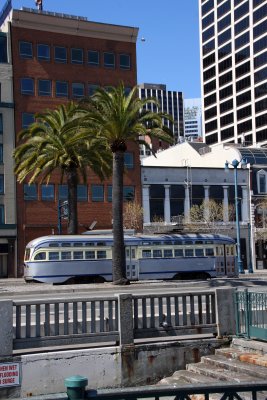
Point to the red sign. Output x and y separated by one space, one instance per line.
9 374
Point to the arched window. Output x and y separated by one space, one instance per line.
261 181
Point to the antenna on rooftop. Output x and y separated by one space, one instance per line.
39 4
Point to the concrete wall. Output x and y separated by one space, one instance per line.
108 367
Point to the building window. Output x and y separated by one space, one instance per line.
77 56
261 181
128 193
260 75
62 89
1 153
77 90
82 194
25 49
125 61
2 214
44 87
261 44
109 193
48 192
62 192
242 40
92 88
129 160
1 184
1 124
30 192
93 57
97 193
61 55
43 52
109 60
27 86
27 119
3 48
207 34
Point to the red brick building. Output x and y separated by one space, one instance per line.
56 58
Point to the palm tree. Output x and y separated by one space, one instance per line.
122 118
58 141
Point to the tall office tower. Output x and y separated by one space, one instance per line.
192 119
171 102
233 43
48 59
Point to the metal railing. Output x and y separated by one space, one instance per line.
60 322
251 314
223 391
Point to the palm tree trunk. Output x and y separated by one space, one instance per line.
118 260
72 201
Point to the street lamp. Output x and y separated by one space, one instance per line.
235 163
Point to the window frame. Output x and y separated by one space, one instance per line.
26 55
42 57
42 92
60 60
126 66
108 65
73 89
93 63
62 94
77 60
48 197
27 92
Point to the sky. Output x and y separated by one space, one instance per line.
170 52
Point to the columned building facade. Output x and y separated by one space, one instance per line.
168 196
233 42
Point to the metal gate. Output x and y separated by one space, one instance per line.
251 314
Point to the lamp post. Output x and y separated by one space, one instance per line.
235 163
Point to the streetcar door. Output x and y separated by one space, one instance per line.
131 263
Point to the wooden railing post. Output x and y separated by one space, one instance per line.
6 328
225 311
126 333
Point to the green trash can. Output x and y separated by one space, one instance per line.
76 387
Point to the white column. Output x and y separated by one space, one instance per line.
187 204
225 204
244 204
167 205
206 201
146 203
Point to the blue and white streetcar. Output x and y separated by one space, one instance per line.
88 258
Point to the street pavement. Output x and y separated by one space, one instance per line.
17 287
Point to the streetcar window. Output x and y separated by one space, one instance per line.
178 253
89 255
55 244
167 253
188 242
219 251
208 241
157 253
209 252
89 243
101 254
199 252
146 253
65 244
27 254
101 244
77 244
167 243
199 242
127 253
66 255
40 256
133 253
53 255
189 253
78 255
145 243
